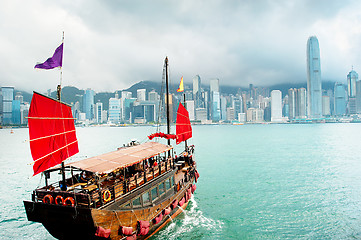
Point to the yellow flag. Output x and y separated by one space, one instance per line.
181 88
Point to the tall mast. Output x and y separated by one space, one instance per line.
184 101
58 90
167 96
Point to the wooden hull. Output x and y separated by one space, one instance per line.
65 222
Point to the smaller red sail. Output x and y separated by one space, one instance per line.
52 132
183 124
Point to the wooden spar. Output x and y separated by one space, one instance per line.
167 96
185 106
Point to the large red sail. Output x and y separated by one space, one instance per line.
52 132
183 125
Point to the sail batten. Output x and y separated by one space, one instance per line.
52 132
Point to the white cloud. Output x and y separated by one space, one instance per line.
110 45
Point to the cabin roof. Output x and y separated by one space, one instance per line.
121 158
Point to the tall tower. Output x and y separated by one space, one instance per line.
352 77
314 85
276 106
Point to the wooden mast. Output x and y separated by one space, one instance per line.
58 90
167 96
185 106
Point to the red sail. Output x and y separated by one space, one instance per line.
183 125
52 132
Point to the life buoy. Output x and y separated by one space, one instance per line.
107 196
178 187
48 199
69 200
59 200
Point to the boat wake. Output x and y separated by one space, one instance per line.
191 224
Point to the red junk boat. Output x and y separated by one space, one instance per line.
130 193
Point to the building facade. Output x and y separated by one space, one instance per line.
314 84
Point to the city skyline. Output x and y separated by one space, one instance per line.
108 45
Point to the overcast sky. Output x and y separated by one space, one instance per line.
110 45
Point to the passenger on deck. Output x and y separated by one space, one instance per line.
84 177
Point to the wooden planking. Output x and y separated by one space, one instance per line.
114 219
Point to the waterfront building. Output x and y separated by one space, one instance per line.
230 114
24 110
351 105
302 103
88 104
340 99
242 117
314 84
276 106
99 112
255 115
16 114
292 103
285 107
191 109
127 109
7 104
201 114
358 96
216 106
352 78
144 111
326 110
141 94
114 110
223 108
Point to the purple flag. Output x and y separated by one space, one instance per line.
55 61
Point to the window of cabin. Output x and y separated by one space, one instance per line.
161 189
154 193
136 202
146 198
172 181
126 205
167 184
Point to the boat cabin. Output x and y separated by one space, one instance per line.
98 181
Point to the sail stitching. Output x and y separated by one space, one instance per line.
57 134
51 118
55 151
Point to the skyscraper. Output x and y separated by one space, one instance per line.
314 85
88 104
301 103
197 93
352 77
340 99
292 103
215 100
7 102
276 106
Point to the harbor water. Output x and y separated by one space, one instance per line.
266 181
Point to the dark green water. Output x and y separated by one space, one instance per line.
257 181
